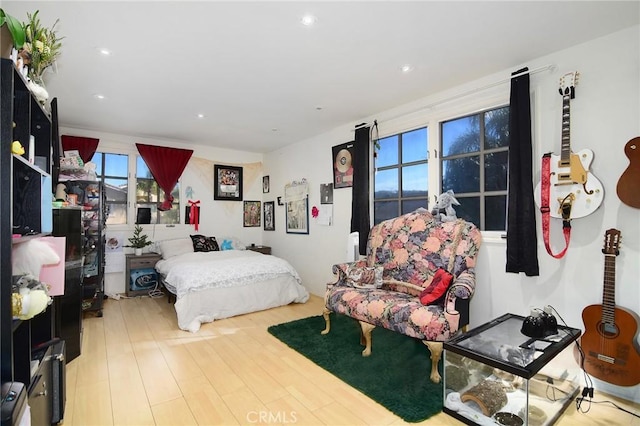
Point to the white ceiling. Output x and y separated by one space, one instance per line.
263 80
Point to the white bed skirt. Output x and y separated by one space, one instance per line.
204 306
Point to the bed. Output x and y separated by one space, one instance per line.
214 284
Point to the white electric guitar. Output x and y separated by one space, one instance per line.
574 192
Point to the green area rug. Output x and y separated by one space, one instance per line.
396 375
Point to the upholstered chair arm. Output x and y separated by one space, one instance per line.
463 286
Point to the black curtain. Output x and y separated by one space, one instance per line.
360 199
522 245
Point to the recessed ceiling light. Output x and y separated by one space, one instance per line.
308 20
99 96
104 51
200 115
406 68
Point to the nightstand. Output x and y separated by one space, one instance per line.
260 249
141 276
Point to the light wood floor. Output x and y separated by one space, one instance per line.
138 368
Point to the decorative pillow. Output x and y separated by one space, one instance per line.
438 287
231 243
364 276
202 243
170 248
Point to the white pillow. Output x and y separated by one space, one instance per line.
170 248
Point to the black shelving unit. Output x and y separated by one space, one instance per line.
27 186
92 204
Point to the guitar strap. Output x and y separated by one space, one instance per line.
544 209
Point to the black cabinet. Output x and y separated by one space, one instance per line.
67 222
68 309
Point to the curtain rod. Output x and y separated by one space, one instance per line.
549 67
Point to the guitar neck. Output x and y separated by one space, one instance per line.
565 151
609 289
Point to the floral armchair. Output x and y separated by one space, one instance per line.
417 279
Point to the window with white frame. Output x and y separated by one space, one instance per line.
401 174
149 195
112 171
474 164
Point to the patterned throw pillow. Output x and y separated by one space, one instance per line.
202 243
364 276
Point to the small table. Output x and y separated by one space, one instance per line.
260 249
141 276
496 373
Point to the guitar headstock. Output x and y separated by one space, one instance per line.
568 83
612 242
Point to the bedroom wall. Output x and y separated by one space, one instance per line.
604 117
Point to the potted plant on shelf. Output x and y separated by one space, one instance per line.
139 240
43 46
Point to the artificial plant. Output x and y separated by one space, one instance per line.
139 240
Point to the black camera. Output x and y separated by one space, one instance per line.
540 324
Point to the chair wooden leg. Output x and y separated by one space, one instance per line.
327 321
365 337
436 353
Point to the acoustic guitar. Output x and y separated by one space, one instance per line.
609 341
573 188
629 183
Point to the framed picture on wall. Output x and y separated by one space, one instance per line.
342 156
298 216
227 182
265 184
269 216
251 213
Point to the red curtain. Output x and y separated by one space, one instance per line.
166 165
85 146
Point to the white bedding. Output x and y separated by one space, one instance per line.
221 284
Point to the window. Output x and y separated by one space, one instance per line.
474 165
149 194
401 176
112 171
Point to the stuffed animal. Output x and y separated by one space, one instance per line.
443 209
29 296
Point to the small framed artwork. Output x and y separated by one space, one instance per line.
265 184
269 216
298 216
227 183
342 165
251 213
326 193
